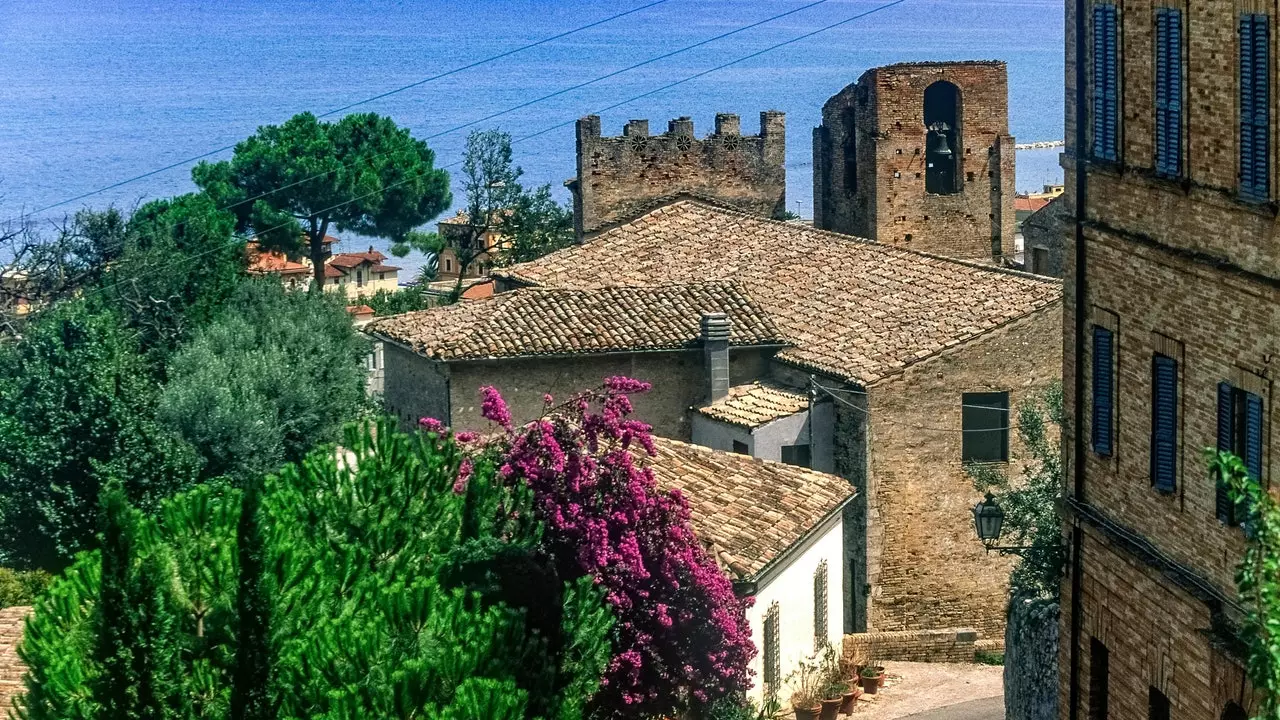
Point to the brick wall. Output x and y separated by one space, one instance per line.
951 645
881 195
927 568
620 177
11 668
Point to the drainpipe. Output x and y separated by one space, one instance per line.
1081 189
715 347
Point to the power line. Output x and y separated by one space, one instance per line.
358 103
831 392
846 21
563 91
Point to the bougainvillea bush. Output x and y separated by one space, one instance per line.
681 640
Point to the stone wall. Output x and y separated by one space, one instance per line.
11 667
413 387
926 567
1046 234
1031 660
678 378
621 177
869 162
951 645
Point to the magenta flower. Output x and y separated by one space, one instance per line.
431 424
494 408
465 469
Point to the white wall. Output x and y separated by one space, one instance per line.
792 588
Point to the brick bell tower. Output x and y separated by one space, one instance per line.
919 155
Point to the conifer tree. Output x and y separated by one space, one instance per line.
251 682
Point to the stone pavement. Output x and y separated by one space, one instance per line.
936 691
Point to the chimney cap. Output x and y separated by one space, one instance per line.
715 326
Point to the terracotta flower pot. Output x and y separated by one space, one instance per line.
830 708
880 673
870 685
848 700
808 713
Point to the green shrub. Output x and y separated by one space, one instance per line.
21 587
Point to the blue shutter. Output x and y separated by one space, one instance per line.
1252 455
1226 443
1105 82
1169 70
1255 106
1164 423
1103 390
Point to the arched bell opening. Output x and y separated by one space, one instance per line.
942 113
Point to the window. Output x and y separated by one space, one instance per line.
382 276
1255 107
741 448
1106 82
772 653
1040 261
796 455
1169 73
1157 705
448 266
1240 431
1164 423
359 278
1233 711
820 607
1104 390
942 138
985 422
1098 680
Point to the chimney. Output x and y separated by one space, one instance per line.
715 345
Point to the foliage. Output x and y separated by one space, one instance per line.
529 223
401 580
275 375
1258 579
74 258
988 657
181 263
682 640
22 587
806 684
394 302
1030 505
740 708
76 407
834 680
361 174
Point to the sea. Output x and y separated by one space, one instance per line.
96 92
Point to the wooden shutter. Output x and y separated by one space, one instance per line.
1255 106
1252 457
1164 423
1226 443
1105 82
1103 389
1168 56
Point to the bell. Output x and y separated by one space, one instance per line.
938 144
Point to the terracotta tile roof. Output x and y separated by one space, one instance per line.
752 510
350 260
547 321
753 405
383 268
478 291
332 272
853 308
359 310
1030 204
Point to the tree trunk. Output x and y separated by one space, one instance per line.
316 249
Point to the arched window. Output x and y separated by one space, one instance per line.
1234 712
942 138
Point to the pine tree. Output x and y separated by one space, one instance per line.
115 689
251 683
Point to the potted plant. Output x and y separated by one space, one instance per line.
872 678
805 701
834 683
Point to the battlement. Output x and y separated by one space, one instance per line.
618 175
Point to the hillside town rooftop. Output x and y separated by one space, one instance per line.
553 321
750 511
755 404
852 308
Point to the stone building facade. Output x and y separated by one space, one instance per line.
621 177
884 348
1171 331
919 155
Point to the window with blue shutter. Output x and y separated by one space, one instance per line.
1255 107
1106 82
1240 432
1104 390
1164 423
1169 74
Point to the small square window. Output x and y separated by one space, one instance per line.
740 448
985 422
797 455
